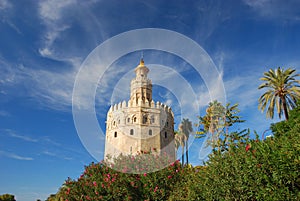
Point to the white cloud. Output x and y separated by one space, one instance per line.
13 134
52 14
15 156
53 9
4 113
243 89
276 9
5 4
50 89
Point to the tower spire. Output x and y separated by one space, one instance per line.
142 59
141 86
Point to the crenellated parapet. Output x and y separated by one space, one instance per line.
140 103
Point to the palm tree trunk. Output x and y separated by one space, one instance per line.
286 114
187 151
182 157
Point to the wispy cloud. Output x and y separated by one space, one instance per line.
50 89
15 156
5 4
48 153
243 89
51 12
276 9
59 18
13 134
4 113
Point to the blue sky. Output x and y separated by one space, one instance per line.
43 44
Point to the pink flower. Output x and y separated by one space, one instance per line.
177 170
145 174
169 177
248 147
155 189
94 183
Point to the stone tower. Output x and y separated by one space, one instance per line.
140 124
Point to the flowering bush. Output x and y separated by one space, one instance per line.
101 182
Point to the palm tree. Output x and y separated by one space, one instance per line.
213 122
283 91
217 121
231 116
186 128
180 141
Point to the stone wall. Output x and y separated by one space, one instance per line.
136 126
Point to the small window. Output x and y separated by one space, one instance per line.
152 119
131 132
128 120
166 134
144 119
116 134
150 132
167 123
114 123
119 121
134 119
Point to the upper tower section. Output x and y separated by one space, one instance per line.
141 86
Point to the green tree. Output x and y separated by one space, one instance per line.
7 197
216 123
282 91
292 125
186 128
257 170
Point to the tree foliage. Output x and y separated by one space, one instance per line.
216 123
283 90
101 182
7 197
258 170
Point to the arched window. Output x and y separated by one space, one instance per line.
134 119
167 123
128 119
150 132
131 132
152 119
144 119
166 134
116 134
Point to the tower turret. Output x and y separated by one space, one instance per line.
141 86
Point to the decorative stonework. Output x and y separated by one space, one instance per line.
140 124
